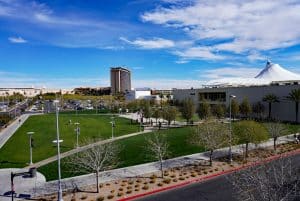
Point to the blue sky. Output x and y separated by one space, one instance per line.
166 43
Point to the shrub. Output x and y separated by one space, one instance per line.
160 184
129 187
167 181
112 191
181 178
130 182
205 172
110 196
145 187
137 189
120 189
129 191
100 198
152 181
72 199
153 176
83 197
107 184
100 185
120 194
193 174
175 180
137 185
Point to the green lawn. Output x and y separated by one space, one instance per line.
133 151
181 119
15 153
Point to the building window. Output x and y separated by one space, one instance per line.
212 96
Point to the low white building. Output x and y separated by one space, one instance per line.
143 93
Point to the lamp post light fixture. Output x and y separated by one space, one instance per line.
230 128
30 145
113 124
77 130
58 141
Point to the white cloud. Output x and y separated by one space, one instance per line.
155 43
198 53
229 72
252 25
17 40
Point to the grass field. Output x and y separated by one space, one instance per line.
133 151
15 153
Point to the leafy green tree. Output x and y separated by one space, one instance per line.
170 113
188 110
258 108
249 132
270 99
204 110
156 114
147 110
212 135
294 96
219 110
235 108
245 107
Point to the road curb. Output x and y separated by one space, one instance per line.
206 178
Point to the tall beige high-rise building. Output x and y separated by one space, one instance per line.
120 80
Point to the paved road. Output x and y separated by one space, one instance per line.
218 189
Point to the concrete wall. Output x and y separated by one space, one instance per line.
284 110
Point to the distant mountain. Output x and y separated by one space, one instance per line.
274 72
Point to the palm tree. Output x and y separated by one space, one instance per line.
270 98
294 96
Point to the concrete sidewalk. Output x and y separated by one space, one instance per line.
134 171
6 133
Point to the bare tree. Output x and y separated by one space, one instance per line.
95 160
212 135
276 130
157 146
275 181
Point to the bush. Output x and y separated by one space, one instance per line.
110 196
129 191
100 198
83 197
181 178
145 187
120 194
175 180
120 189
160 184
167 181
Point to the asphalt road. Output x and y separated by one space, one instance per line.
218 189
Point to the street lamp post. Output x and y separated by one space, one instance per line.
30 146
112 126
57 141
77 129
230 128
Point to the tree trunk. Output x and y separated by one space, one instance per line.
97 181
270 108
161 168
210 157
275 138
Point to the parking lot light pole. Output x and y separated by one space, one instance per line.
77 129
57 141
30 146
230 128
112 126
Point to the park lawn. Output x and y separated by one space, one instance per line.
133 151
181 119
15 153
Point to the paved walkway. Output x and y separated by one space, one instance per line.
73 151
20 183
6 133
134 171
